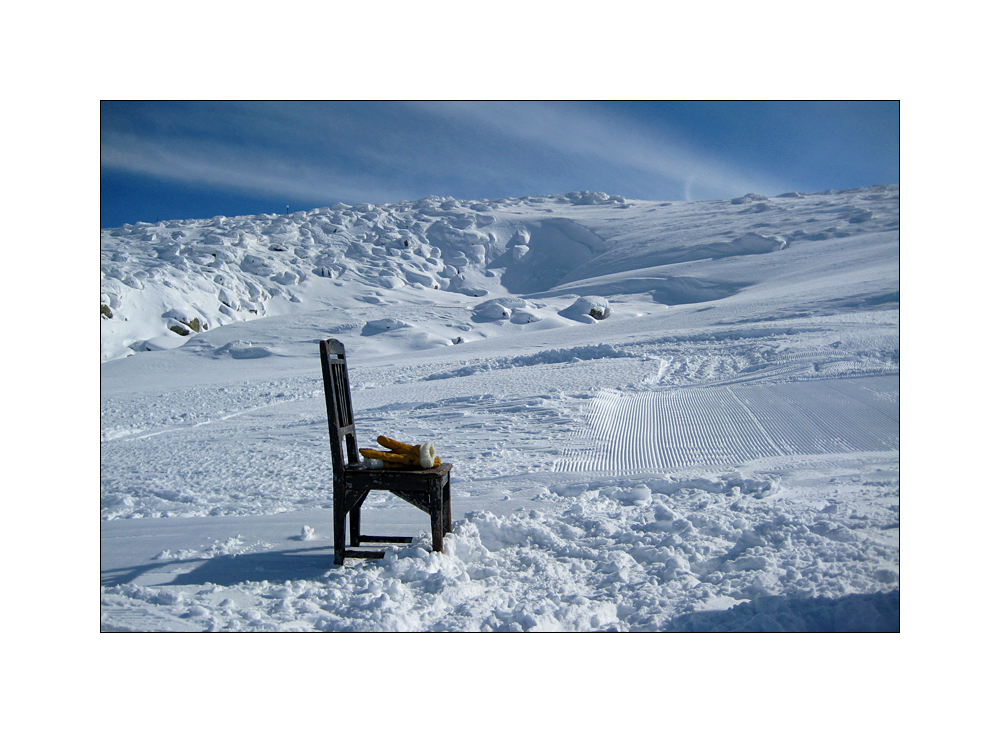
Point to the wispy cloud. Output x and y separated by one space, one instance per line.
387 152
244 149
239 169
593 135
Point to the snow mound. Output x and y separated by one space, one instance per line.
587 309
243 350
462 283
382 325
549 356
497 309
748 198
525 315
160 343
587 198
748 244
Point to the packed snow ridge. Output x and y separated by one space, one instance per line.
663 416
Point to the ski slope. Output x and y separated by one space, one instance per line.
663 416
722 426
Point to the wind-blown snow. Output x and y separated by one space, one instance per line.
663 416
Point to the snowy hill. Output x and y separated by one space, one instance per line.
662 409
160 283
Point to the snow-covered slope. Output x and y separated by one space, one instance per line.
656 410
474 262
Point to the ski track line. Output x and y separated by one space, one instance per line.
197 424
753 418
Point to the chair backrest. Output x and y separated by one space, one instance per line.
339 411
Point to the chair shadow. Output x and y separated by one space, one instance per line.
308 563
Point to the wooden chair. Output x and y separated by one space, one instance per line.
427 489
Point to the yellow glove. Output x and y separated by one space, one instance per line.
397 447
390 458
402 455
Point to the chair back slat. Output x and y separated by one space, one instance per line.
339 411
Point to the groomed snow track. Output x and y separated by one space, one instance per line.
639 432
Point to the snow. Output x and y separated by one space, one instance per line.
663 416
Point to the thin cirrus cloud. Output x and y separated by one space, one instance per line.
234 166
653 161
373 152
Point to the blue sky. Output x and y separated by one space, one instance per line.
179 160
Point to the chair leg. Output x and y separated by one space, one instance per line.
446 500
356 526
338 526
437 518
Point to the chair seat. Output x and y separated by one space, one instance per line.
359 469
398 480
